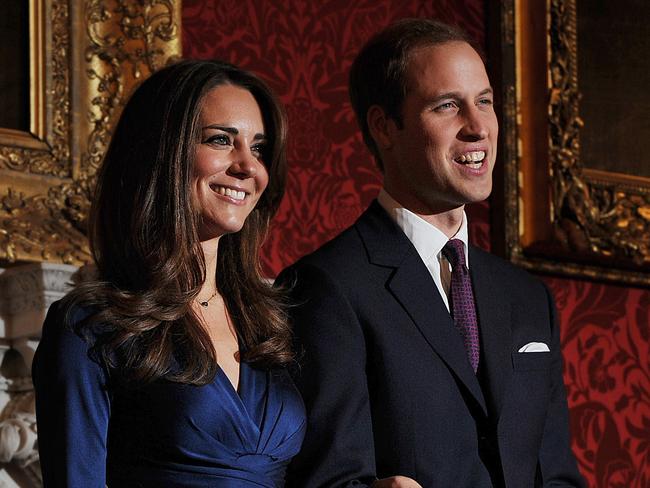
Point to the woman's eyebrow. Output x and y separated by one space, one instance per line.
232 130
225 128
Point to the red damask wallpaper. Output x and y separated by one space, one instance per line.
304 49
606 345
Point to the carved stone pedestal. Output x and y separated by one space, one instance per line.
26 292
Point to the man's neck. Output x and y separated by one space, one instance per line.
447 221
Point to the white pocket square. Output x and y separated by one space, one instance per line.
535 347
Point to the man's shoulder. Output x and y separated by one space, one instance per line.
345 259
374 237
336 255
514 278
350 244
492 261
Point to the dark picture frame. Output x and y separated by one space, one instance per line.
85 57
552 212
14 59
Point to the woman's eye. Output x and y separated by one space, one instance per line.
219 140
258 150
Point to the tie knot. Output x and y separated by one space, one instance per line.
454 252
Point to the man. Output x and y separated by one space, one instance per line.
404 370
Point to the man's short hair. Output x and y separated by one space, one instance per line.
379 73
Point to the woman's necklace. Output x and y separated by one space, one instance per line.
205 303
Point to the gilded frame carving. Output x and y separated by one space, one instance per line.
558 216
85 57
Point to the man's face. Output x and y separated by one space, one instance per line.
443 156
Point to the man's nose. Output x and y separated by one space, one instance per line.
475 126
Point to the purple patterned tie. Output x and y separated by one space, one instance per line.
462 305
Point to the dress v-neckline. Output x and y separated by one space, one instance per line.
239 375
240 366
229 384
246 397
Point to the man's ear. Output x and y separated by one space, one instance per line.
381 127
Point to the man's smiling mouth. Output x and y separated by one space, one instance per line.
472 159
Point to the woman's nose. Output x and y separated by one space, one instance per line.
244 164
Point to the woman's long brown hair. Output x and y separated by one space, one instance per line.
143 232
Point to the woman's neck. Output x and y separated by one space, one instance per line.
210 249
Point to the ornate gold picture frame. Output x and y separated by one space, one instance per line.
85 57
557 215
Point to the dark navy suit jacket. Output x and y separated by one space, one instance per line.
387 384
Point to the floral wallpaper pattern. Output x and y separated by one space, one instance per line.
304 49
606 346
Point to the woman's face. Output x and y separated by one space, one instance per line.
229 174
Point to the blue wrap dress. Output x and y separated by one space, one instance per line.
162 434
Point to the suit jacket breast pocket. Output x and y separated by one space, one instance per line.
531 361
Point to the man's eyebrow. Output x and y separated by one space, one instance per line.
232 130
446 96
454 95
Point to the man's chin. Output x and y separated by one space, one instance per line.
477 196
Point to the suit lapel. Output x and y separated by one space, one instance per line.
495 317
412 286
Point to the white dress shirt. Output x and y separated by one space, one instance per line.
428 241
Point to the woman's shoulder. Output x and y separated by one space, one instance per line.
68 336
66 320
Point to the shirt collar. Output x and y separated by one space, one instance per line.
427 239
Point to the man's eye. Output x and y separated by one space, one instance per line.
445 106
485 101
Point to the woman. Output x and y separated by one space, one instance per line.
167 370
